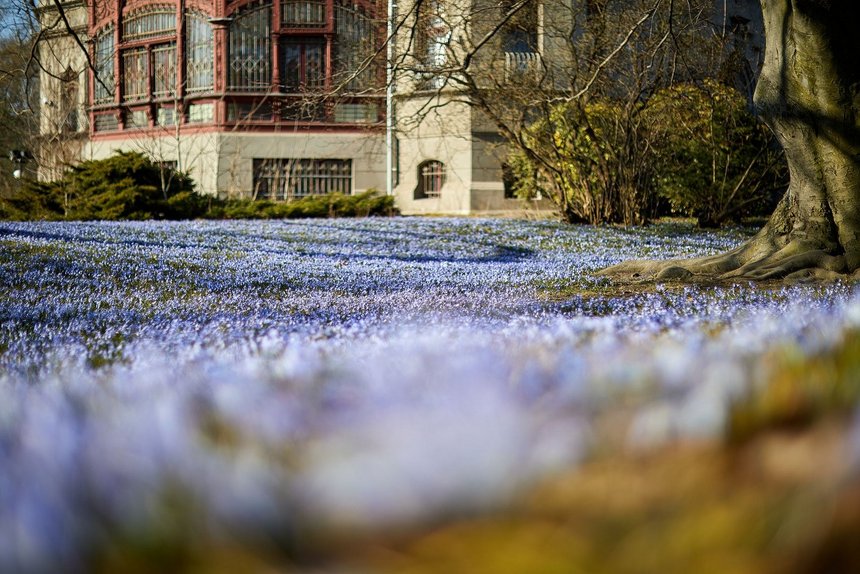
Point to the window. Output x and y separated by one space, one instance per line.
354 48
69 101
520 34
151 66
431 40
166 117
105 123
136 119
104 67
303 14
199 54
201 113
150 22
250 51
431 178
164 70
287 179
303 65
135 67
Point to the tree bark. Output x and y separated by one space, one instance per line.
808 92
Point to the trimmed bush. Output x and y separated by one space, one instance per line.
368 203
130 185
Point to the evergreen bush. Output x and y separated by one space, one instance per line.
128 185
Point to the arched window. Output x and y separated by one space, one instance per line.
149 22
199 53
104 68
250 51
431 178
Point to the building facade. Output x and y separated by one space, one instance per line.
284 98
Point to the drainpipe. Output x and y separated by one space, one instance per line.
389 99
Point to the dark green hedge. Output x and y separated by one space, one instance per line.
130 185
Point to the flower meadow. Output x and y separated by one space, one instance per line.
256 384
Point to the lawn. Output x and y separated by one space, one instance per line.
415 395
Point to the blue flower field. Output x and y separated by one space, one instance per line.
274 394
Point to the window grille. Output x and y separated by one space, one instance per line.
200 54
431 178
303 14
288 179
250 52
164 70
135 66
304 65
354 48
104 67
150 22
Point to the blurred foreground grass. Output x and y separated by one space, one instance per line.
780 493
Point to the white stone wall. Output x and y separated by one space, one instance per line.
222 163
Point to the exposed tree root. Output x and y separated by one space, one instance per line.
770 255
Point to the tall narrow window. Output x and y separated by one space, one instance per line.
104 67
200 54
69 101
431 40
354 48
304 65
250 51
135 74
164 70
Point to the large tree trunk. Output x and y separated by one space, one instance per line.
809 94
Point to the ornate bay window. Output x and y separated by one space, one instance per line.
250 50
262 62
